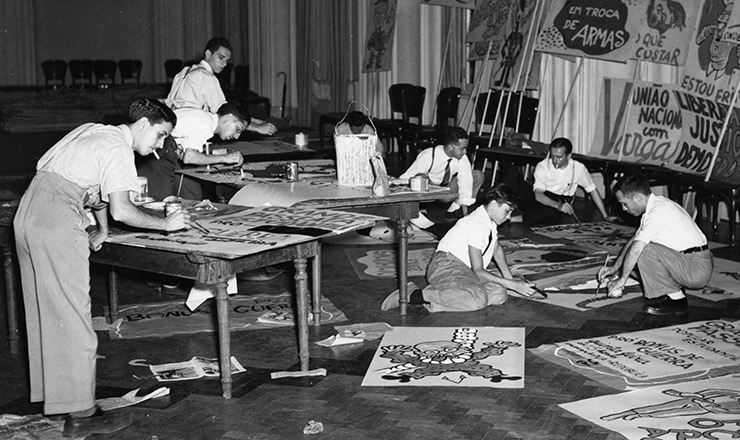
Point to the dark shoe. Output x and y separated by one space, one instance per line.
454 215
667 306
101 422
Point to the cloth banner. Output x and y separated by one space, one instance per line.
666 126
706 409
450 357
169 318
379 44
618 30
653 357
467 4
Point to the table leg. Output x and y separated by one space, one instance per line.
224 337
301 289
11 296
316 286
113 294
403 241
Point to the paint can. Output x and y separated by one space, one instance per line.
301 140
419 183
291 171
172 207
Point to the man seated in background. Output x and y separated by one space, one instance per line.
357 123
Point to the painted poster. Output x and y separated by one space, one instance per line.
707 409
606 236
379 43
711 69
617 30
731 32
468 4
658 356
449 357
724 284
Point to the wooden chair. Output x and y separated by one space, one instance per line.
82 73
416 138
105 73
130 71
55 73
172 67
390 129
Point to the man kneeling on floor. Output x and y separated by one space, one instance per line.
457 275
669 250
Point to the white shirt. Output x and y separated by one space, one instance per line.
477 230
194 127
433 161
196 87
665 222
563 181
97 157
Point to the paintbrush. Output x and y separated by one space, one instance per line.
198 226
598 286
535 288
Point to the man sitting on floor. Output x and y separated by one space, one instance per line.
668 248
457 275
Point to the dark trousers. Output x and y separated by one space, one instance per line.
534 213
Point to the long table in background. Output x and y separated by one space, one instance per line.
264 183
239 239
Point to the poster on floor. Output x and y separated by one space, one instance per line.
724 284
706 409
383 262
618 30
450 357
653 357
607 236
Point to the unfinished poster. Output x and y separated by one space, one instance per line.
450 357
659 356
704 409
379 43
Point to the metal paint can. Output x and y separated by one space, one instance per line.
419 183
301 140
291 171
172 207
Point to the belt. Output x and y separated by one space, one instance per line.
691 250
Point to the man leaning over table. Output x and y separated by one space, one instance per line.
669 250
196 86
92 167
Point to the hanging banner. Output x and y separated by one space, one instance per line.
666 127
712 64
468 4
618 30
379 43
490 23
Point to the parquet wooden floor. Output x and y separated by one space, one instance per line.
279 409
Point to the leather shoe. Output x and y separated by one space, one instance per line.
667 306
100 422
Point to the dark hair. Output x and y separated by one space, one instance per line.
633 184
560 143
356 119
229 108
216 42
501 193
154 110
453 134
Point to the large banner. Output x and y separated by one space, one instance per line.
379 43
468 4
666 126
617 30
712 65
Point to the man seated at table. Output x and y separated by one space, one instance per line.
357 123
186 146
197 86
457 275
669 250
448 165
556 180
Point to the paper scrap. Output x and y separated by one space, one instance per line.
280 374
367 331
201 292
333 341
129 399
313 427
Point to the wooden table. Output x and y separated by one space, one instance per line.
323 192
185 256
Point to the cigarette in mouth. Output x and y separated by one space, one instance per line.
154 152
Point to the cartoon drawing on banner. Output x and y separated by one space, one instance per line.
712 401
437 358
665 14
377 57
510 52
714 54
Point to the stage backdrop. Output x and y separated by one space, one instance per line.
667 127
618 30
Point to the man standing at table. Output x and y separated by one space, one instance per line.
196 86
448 165
668 248
92 167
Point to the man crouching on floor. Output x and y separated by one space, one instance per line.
457 275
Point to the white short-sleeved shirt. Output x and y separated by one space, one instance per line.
194 127
433 161
97 157
196 87
666 222
477 230
563 181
